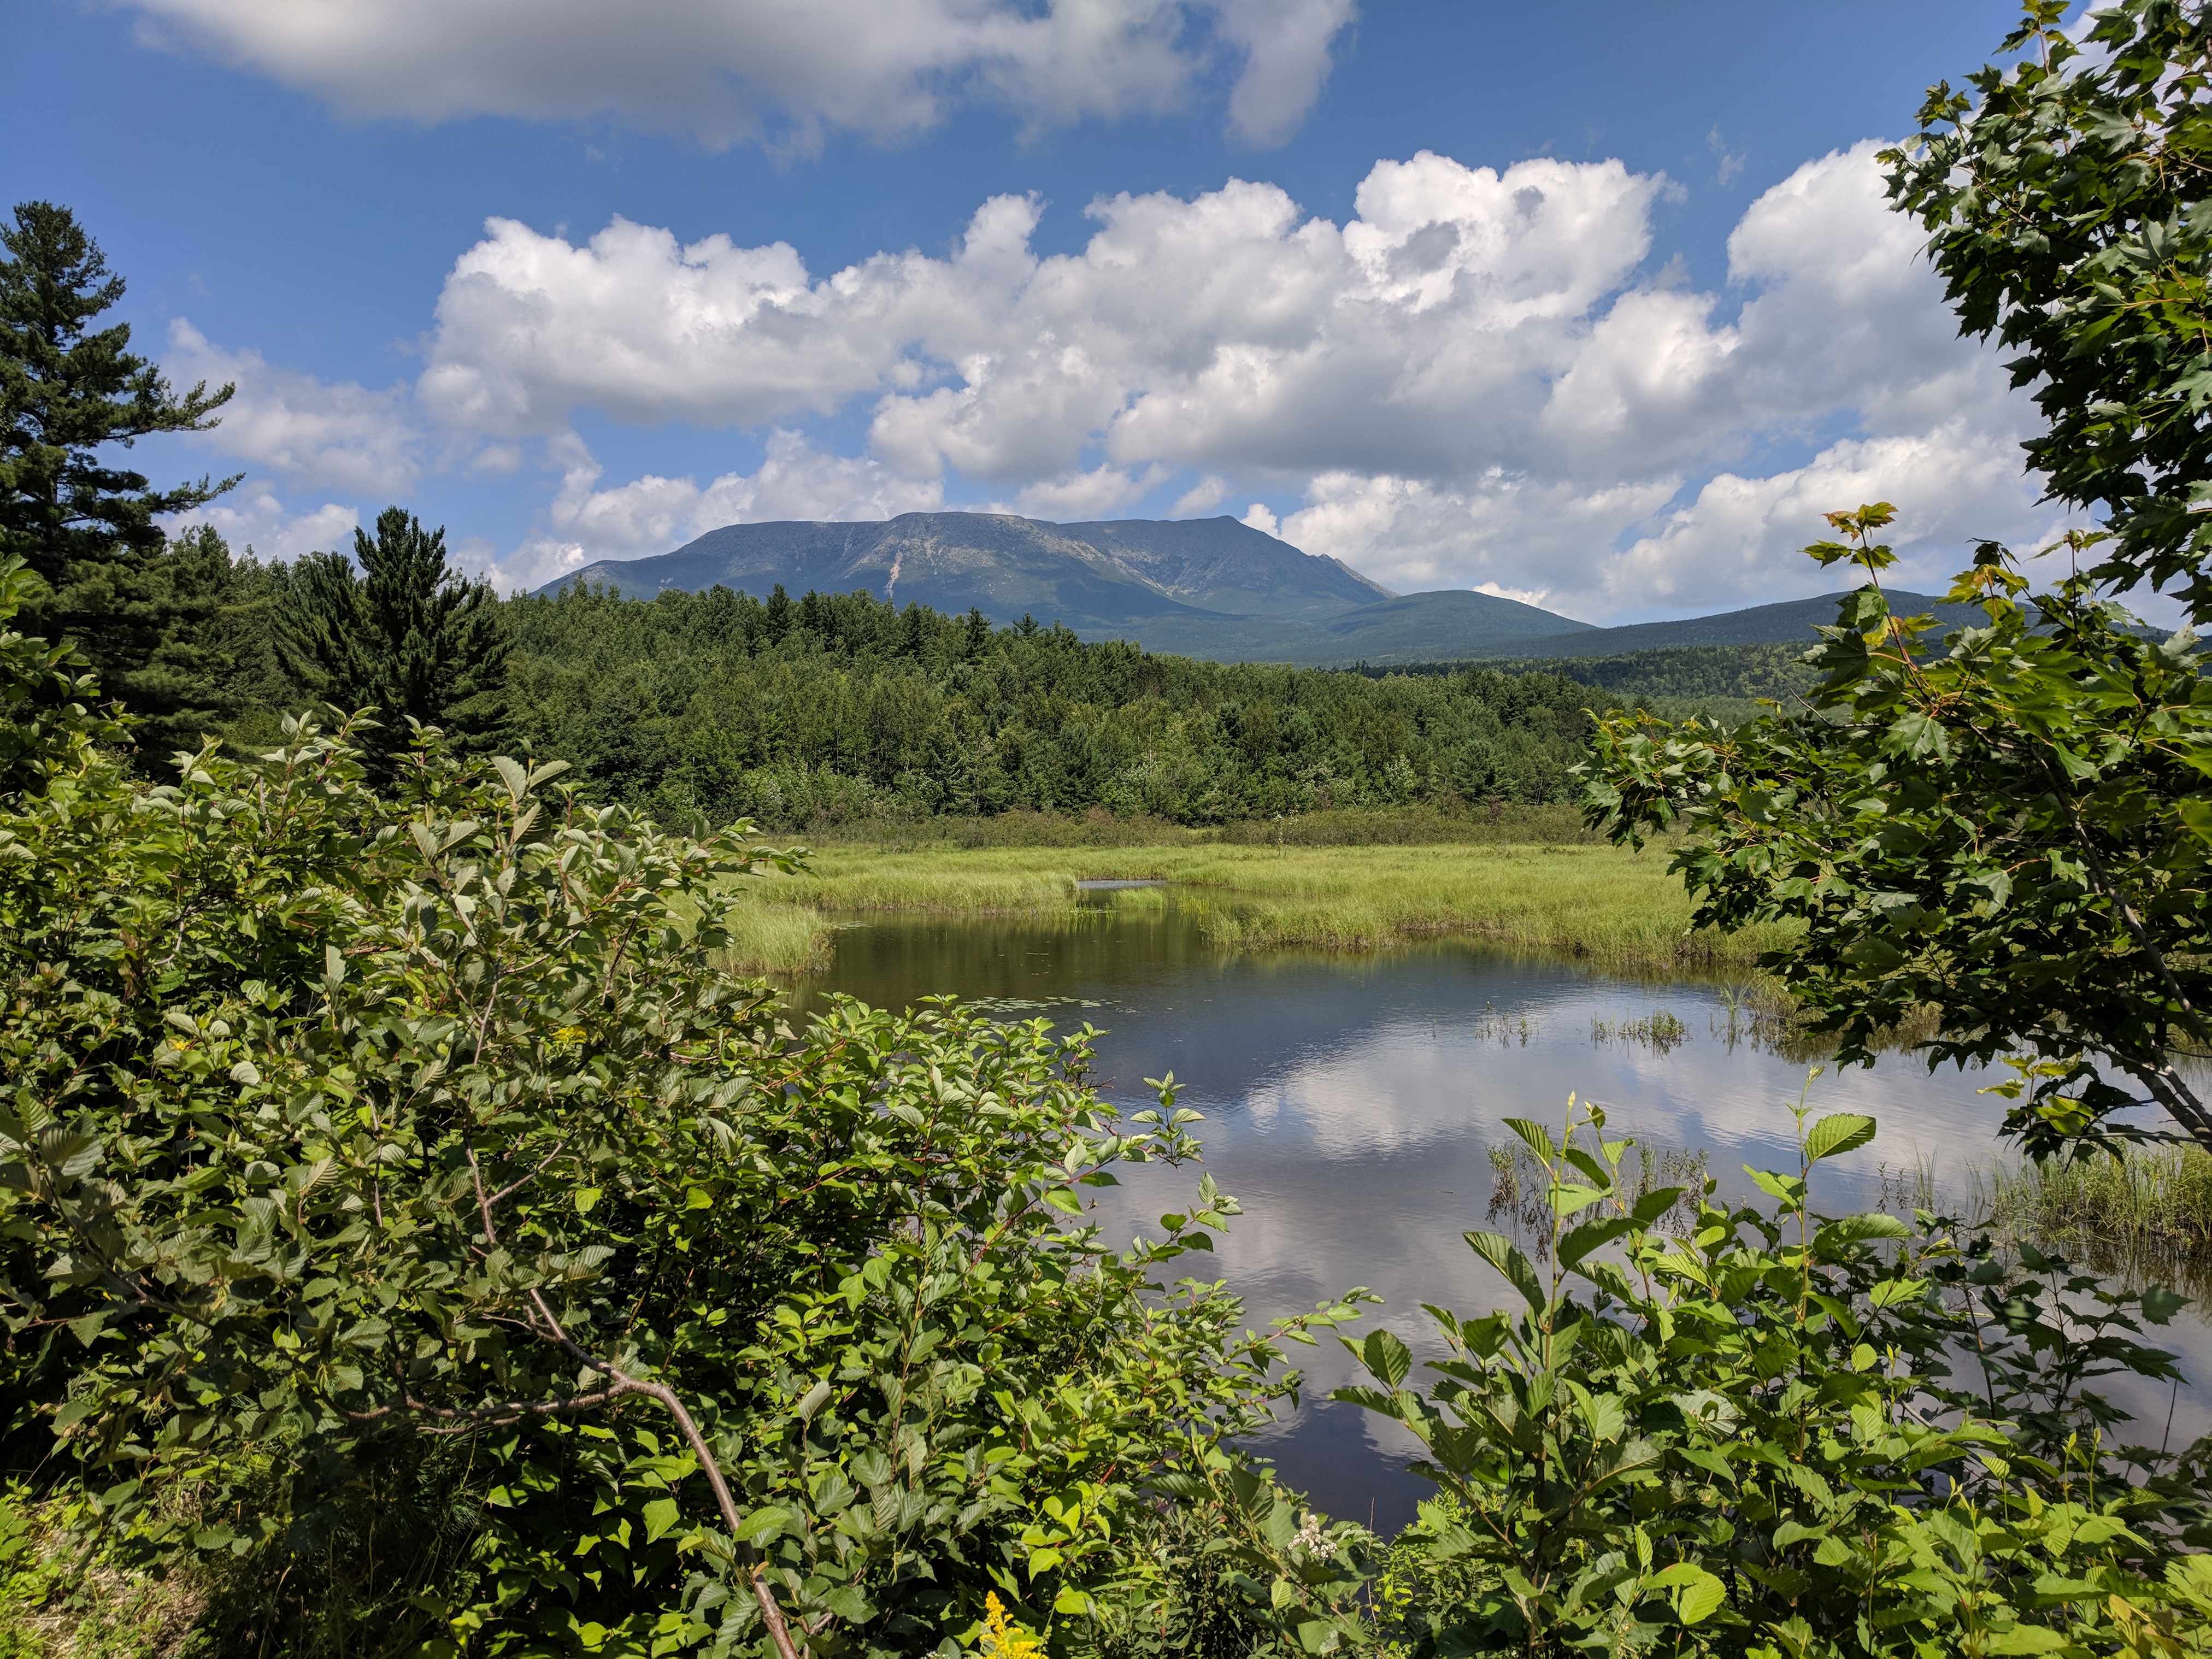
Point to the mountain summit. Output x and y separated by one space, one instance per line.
1197 587
1094 577
1210 587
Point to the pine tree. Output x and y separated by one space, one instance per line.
88 530
409 636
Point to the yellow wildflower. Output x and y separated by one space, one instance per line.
1003 1639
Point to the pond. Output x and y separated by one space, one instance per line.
1351 1103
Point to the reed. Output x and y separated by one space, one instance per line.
1594 902
2152 1199
776 938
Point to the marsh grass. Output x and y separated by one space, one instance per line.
1600 905
778 939
2154 1198
1661 1031
2142 1218
1477 825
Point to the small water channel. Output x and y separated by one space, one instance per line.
1351 1103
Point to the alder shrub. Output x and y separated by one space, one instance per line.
1784 1436
409 1226
2009 826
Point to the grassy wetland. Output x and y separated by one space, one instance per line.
1578 896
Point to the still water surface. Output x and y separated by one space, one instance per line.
1351 1103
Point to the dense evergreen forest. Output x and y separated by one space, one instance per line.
831 708
1707 673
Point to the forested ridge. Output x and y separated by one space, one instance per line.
832 707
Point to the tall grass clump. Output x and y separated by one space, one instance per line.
2150 1201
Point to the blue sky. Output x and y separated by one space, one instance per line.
1593 305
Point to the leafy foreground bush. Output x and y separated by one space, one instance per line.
405 1222
416 1245
1749 1440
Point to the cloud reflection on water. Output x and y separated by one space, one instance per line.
1351 1103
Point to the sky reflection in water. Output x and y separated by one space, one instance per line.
1351 1103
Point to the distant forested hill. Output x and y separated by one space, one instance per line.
1689 673
834 707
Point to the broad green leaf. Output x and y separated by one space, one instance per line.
659 1515
1655 1204
763 1524
1387 1357
1534 1136
1856 1229
1843 1132
2160 1305
1501 1254
1591 1235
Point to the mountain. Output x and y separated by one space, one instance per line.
1215 588
1101 580
1788 623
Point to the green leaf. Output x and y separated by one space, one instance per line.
1694 1594
1856 1229
1386 1356
1534 1136
1499 1252
660 1515
1590 1235
1655 1204
767 1521
1567 1198
2025 1639
2160 1305
1843 1132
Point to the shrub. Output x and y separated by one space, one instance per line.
403 1208
1752 1440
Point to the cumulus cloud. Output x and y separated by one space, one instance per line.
1077 496
257 517
1201 498
1228 329
730 70
654 514
1474 380
1286 57
1954 485
315 434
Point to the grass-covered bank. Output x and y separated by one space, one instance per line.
1592 901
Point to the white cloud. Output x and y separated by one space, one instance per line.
1286 47
1954 485
317 433
730 70
654 514
1504 532
256 516
1262 517
1201 498
1227 330
1077 496
1475 381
